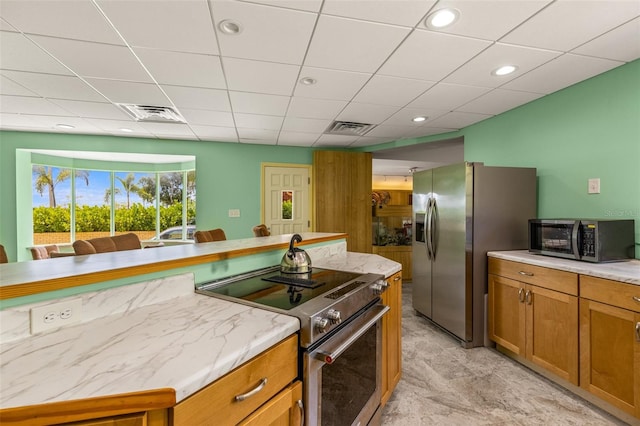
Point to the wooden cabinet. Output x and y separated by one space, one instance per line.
235 396
157 418
342 188
533 312
283 409
610 342
392 337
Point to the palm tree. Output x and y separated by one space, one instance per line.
45 179
129 186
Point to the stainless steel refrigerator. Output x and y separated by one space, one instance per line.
460 212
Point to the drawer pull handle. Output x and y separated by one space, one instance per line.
399 278
521 295
638 332
527 296
301 407
636 298
252 392
528 274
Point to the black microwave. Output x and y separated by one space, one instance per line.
583 239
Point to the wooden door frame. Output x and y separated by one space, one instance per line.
312 198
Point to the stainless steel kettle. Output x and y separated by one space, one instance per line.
295 260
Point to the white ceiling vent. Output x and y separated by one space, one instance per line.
348 128
154 114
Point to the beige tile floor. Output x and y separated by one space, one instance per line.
444 384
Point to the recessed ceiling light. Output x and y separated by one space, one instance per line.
442 18
65 126
229 26
504 70
308 81
124 129
419 118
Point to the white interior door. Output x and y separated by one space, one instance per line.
286 199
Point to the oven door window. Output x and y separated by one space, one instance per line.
350 382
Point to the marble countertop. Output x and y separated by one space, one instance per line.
183 342
358 262
627 271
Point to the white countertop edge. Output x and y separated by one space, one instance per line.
626 271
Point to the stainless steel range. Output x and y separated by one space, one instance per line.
340 335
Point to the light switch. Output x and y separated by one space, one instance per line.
234 212
594 186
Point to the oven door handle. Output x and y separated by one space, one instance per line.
368 319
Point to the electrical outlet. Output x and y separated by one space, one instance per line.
55 315
234 212
594 186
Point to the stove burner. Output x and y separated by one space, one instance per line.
298 282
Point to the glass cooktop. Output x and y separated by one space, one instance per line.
266 289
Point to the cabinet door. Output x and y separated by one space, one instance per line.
507 313
552 331
392 337
284 409
610 354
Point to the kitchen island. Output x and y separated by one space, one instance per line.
156 340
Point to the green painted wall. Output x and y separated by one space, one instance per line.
228 175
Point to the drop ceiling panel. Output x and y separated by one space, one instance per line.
198 98
10 87
367 140
478 71
17 121
386 131
448 96
183 26
256 121
352 45
207 118
35 106
268 33
258 135
373 114
183 69
55 86
331 84
260 77
297 138
394 91
457 120
305 125
89 59
335 140
431 56
561 72
114 127
80 125
314 108
213 133
406 115
78 19
385 11
92 109
503 16
307 5
20 53
563 26
621 44
255 103
130 92
168 130
498 101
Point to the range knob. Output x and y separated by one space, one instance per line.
321 325
334 316
379 287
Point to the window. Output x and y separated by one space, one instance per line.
71 204
287 204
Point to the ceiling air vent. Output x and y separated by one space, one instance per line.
154 114
348 128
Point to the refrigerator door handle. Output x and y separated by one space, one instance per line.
427 229
434 228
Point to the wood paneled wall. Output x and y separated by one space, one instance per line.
342 183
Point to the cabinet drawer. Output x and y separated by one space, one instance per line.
614 293
553 279
216 403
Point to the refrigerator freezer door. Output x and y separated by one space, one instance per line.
421 280
450 233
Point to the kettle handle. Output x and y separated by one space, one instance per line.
294 238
